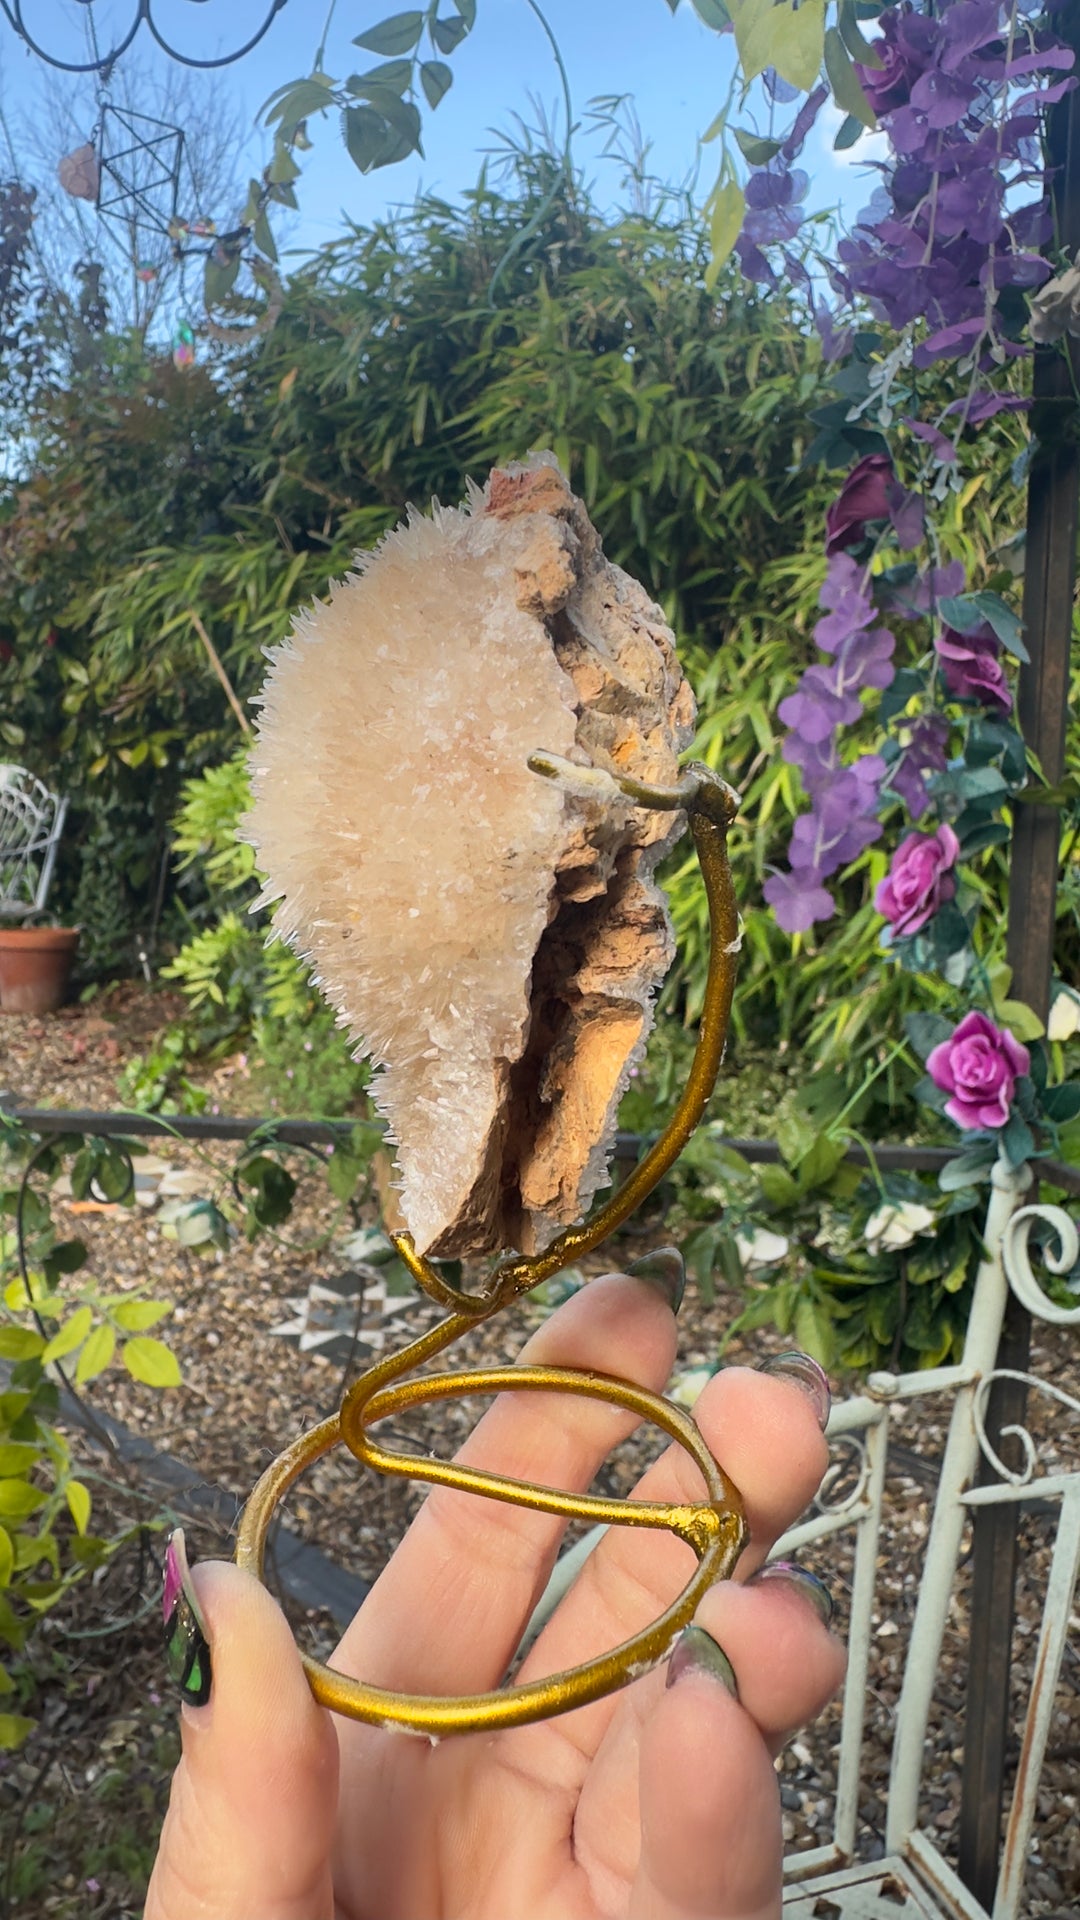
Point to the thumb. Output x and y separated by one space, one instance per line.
254 1799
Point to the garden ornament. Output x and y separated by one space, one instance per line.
466 772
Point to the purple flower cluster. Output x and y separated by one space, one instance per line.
959 93
843 799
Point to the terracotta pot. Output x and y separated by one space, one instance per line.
35 967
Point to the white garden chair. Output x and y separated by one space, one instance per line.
31 822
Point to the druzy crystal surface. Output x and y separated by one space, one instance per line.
490 939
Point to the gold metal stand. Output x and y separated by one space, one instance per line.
714 1527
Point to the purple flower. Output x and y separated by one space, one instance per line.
905 50
972 668
923 756
915 597
864 496
919 881
979 1065
798 899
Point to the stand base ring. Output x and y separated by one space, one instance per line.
714 1528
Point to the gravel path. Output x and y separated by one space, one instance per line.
247 1391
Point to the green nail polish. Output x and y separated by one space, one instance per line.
697 1652
801 1581
187 1649
664 1269
805 1373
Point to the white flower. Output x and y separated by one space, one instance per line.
760 1248
895 1226
1064 1018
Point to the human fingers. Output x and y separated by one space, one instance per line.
778 1650
254 1799
469 1571
710 1833
766 1430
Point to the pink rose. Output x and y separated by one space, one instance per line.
919 880
864 496
972 668
979 1065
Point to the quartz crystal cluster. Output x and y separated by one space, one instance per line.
491 939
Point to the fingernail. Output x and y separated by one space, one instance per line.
802 1581
187 1649
697 1652
806 1374
664 1269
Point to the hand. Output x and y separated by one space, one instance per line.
659 1803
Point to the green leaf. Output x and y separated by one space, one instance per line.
798 42
813 1328
778 1186
712 12
726 208
134 1316
20 1343
969 1169
78 1499
398 34
295 103
754 149
817 1167
964 611
845 82
1061 1104
14 1728
448 34
7 1557
283 168
926 1031
860 49
436 80
151 1362
18 1499
753 23
219 279
393 74
1021 1020
366 135
96 1354
18 1456
66 1257
69 1336
1017 1141
263 235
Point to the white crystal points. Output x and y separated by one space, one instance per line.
495 936
410 848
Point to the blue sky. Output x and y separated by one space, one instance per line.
676 70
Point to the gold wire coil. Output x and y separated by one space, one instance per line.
715 1527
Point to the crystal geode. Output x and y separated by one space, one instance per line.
490 939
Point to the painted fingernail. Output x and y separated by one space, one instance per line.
806 1374
696 1651
802 1581
187 1649
664 1269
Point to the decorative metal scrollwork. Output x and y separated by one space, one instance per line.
144 16
846 1476
1016 1258
1018 1476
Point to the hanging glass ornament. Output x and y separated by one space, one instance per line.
146 271
79 173
183 352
